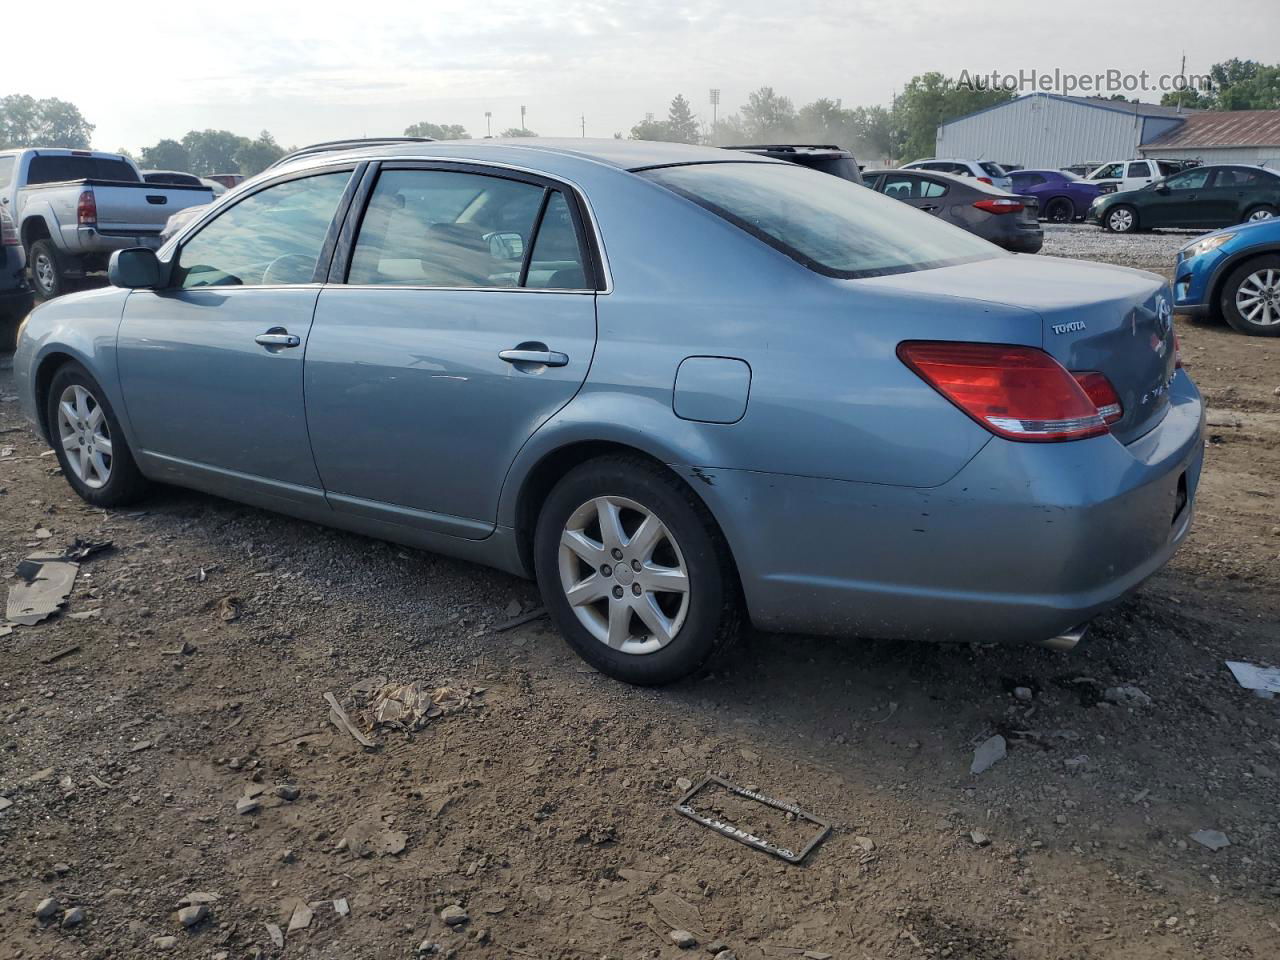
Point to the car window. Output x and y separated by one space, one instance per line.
827 224
1111 171
992 169
1191 180
270 237
6 171
1139 169
1022 181
1237 177
1167 168
900 187
931 188
443 228
55 169
555 263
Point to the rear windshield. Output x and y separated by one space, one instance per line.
845 167
177 179
830 225
57 169
992 169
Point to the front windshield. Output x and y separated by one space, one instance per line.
832 226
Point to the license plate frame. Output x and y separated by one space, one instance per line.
684 807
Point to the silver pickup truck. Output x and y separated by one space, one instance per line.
72 208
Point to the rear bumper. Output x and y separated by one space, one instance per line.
1026 542
90 242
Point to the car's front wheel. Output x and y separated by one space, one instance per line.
1251 297
1060 210
634 572
1122 219
88 441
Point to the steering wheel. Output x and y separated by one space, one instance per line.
291 268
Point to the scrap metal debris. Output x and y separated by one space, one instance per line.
1213 839
339 718
408 706
45 583
49 658
1264 681
684 806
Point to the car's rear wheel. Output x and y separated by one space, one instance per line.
46 270
1060 210
1251 297
88 441
1122 219
634 572
1261 212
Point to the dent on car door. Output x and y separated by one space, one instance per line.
211 366
465 320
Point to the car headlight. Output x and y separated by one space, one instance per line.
1200 247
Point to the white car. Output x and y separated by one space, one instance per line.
1118 176
982 170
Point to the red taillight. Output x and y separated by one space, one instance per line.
1099 390
87 209
1018 393
8 233
999 205
986 180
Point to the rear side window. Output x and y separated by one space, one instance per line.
1139 169
1238 177
443 228
829 225
270 238
57 169
992 169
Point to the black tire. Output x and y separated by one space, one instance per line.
125 484
1239 276
45 265
1262 211
1119 224
712 617
1060 210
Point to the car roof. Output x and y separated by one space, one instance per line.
623 154
793 149
977 186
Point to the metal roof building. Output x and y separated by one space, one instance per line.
1050 130
1235 136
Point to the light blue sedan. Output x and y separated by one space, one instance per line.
675 385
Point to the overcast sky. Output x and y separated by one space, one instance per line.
320 70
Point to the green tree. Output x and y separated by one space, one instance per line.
682 125
165 155
872 134
768 117
517 132
931 99
437 131
650 129
1189 99
1259 91
212 151
256 155
28 122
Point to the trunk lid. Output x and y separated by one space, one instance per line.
1093 316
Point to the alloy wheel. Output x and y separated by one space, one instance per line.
1262 214
624 575
85 436
1121 221
45 273
1258 297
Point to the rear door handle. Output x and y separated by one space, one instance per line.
277 337
548 358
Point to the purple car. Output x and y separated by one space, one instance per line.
1063 196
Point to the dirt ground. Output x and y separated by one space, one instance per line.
540 800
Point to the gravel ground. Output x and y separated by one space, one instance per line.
186 680
1154 250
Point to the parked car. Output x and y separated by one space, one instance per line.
1234 274
74 207
984 171
15 294
1117 176
674 384
172 176
1006 220
1215 195
218 188
1063 197
228 180
825 159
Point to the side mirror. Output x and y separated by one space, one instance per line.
1162 188
506 246
136 268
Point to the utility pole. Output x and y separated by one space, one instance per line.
522 109
583 119
715 104
488 123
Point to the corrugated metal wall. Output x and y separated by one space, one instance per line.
1041 131
1270 156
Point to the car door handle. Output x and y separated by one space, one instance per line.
277 337
929 207
548 358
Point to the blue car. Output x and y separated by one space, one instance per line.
678 387
1235 274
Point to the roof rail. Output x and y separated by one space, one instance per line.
330 146
783 146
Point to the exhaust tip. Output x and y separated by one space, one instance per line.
1068 640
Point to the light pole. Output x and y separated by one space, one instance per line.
488 125
522 109
715 103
